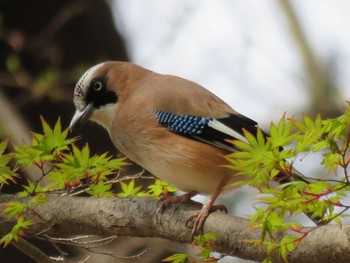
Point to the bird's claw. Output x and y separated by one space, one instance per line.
198 218
166 201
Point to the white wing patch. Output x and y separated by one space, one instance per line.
217 125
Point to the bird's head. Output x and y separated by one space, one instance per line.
99 91
94 97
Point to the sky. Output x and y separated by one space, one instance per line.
242 51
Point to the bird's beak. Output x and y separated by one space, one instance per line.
81 117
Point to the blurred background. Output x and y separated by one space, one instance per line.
264 57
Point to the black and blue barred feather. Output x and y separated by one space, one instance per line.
182 124
213 131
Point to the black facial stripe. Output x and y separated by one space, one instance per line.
101 97
105 98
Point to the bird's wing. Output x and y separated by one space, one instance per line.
217 132
213 131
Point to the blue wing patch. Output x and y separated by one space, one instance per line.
183 124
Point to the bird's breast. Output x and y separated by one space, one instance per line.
187 164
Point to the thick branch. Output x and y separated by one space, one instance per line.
137 217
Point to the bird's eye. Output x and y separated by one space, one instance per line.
97 86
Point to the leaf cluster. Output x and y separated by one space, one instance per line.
64 169
264 159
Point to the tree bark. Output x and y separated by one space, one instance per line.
136 216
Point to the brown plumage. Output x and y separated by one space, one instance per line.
123 98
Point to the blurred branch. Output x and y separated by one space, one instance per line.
136 216
8 79
32 251
67 13
321 83
19 131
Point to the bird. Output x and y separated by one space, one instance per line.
172 127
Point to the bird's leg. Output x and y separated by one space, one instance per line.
166 201
199 218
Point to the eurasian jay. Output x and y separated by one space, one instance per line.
172 127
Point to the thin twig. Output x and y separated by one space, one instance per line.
75 241
116 256
89 245
59 250
115 180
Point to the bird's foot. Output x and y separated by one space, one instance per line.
198 219
166 201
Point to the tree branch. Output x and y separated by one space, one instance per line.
136 216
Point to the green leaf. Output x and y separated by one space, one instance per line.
176 258
100 189
257 159
287 244
6 239
281 135
3 146
15 231
6 173
38 199
44 147
331 161
22 223
13 209
28 155
79 165
129 189
206 244
159 188
32 188
311 133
